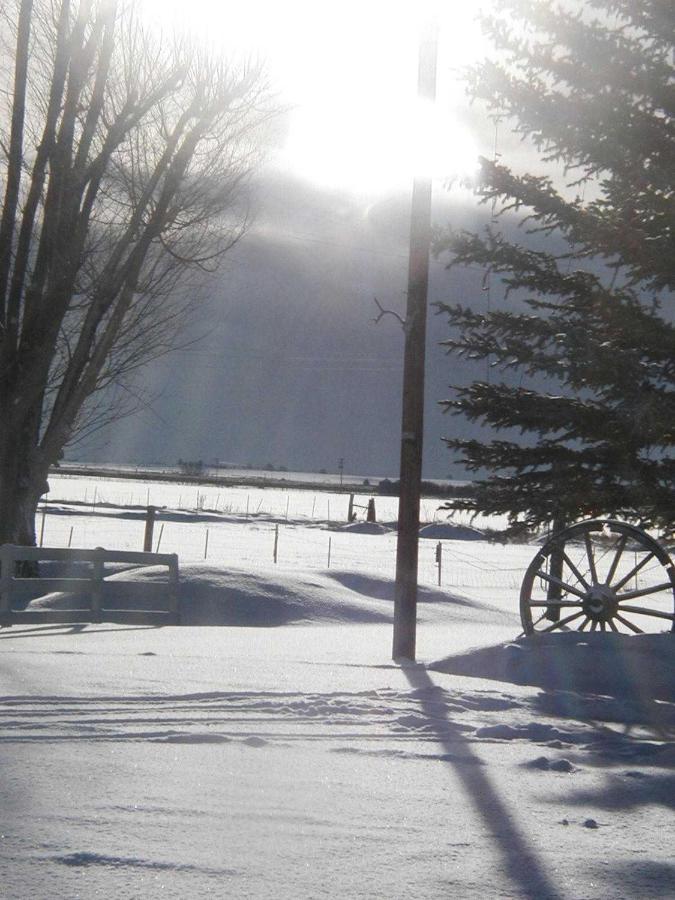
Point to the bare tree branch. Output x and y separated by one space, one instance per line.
126 168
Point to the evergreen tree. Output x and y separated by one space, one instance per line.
592 85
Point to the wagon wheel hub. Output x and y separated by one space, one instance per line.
601 603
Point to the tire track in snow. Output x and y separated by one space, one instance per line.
255 718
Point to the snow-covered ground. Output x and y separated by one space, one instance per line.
283 754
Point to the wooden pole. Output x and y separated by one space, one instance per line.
149 528
276 542
412 416
42 525
159 539
7 567
97 584
174 606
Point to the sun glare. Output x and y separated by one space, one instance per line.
348 73
383 147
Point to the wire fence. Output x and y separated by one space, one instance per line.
259 540
288 504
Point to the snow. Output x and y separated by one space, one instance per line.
272 748
450 531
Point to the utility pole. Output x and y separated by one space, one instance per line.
412 419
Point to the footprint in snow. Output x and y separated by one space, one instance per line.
412 723
538 732
254 741
551 765
587 823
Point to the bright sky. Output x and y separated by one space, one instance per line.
349 71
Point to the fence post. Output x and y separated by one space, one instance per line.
6 575
149 528
276 541
159 539
42 526
97 584
173 589
439 560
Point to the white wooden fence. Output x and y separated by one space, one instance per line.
88 589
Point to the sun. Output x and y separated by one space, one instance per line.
384 146
348 73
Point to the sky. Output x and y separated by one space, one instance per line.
348 72
293 371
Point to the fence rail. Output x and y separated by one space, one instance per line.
93 607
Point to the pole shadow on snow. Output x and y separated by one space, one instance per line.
521 862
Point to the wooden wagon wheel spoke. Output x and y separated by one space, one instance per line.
612 625
645 592
642 611
580 578
561 584
584 623
556 603
633 572
590 556
562 622
629 624
617 556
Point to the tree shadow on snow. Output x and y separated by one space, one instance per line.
647 878
621 685
383 589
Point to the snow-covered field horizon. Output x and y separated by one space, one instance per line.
270 747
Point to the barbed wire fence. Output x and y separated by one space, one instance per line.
254 542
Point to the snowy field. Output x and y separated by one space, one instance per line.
284 755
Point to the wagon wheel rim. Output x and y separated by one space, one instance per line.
599 575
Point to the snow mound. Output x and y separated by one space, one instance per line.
365 528
270 597
439 531
633 668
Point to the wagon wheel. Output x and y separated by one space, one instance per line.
599 575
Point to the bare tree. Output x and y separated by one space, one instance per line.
124 163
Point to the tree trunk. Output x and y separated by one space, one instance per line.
23 480
556 565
